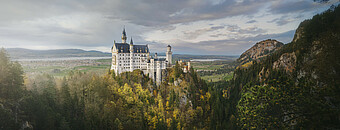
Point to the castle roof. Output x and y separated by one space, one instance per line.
125 48
160 59
124 33
131 42
157 59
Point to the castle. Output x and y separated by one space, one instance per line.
129 57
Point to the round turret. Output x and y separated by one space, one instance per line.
169 55
168 48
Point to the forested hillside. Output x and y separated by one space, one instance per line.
298 85
127 101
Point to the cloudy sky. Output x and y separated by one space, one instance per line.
219 27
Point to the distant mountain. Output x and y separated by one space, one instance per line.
190 57
260 50
20 53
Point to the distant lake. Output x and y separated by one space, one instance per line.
63 59
205 59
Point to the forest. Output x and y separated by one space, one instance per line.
92 101
302 96
305 97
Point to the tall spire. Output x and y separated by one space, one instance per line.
124 33
124 36
131 42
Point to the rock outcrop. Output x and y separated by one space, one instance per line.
260 50
287 62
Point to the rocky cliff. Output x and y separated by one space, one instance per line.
260 50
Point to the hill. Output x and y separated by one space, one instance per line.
297 86
260 50
20 53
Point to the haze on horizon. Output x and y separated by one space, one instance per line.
215 27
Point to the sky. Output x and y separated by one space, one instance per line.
199 27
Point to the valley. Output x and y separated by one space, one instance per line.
208 67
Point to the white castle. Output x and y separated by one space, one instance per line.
129 57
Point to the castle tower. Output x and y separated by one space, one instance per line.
158 72
131 56
124 36
115 58
127 56
169 55
148 54
189 65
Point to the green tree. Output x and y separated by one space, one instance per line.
11 78
11 92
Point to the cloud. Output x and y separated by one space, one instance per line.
252 21
282 20
321 1
182 12
296 6
287 6
249 30
196 33
152 13
229 46
209 24
167 28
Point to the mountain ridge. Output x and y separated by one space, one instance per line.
20 53
296 86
